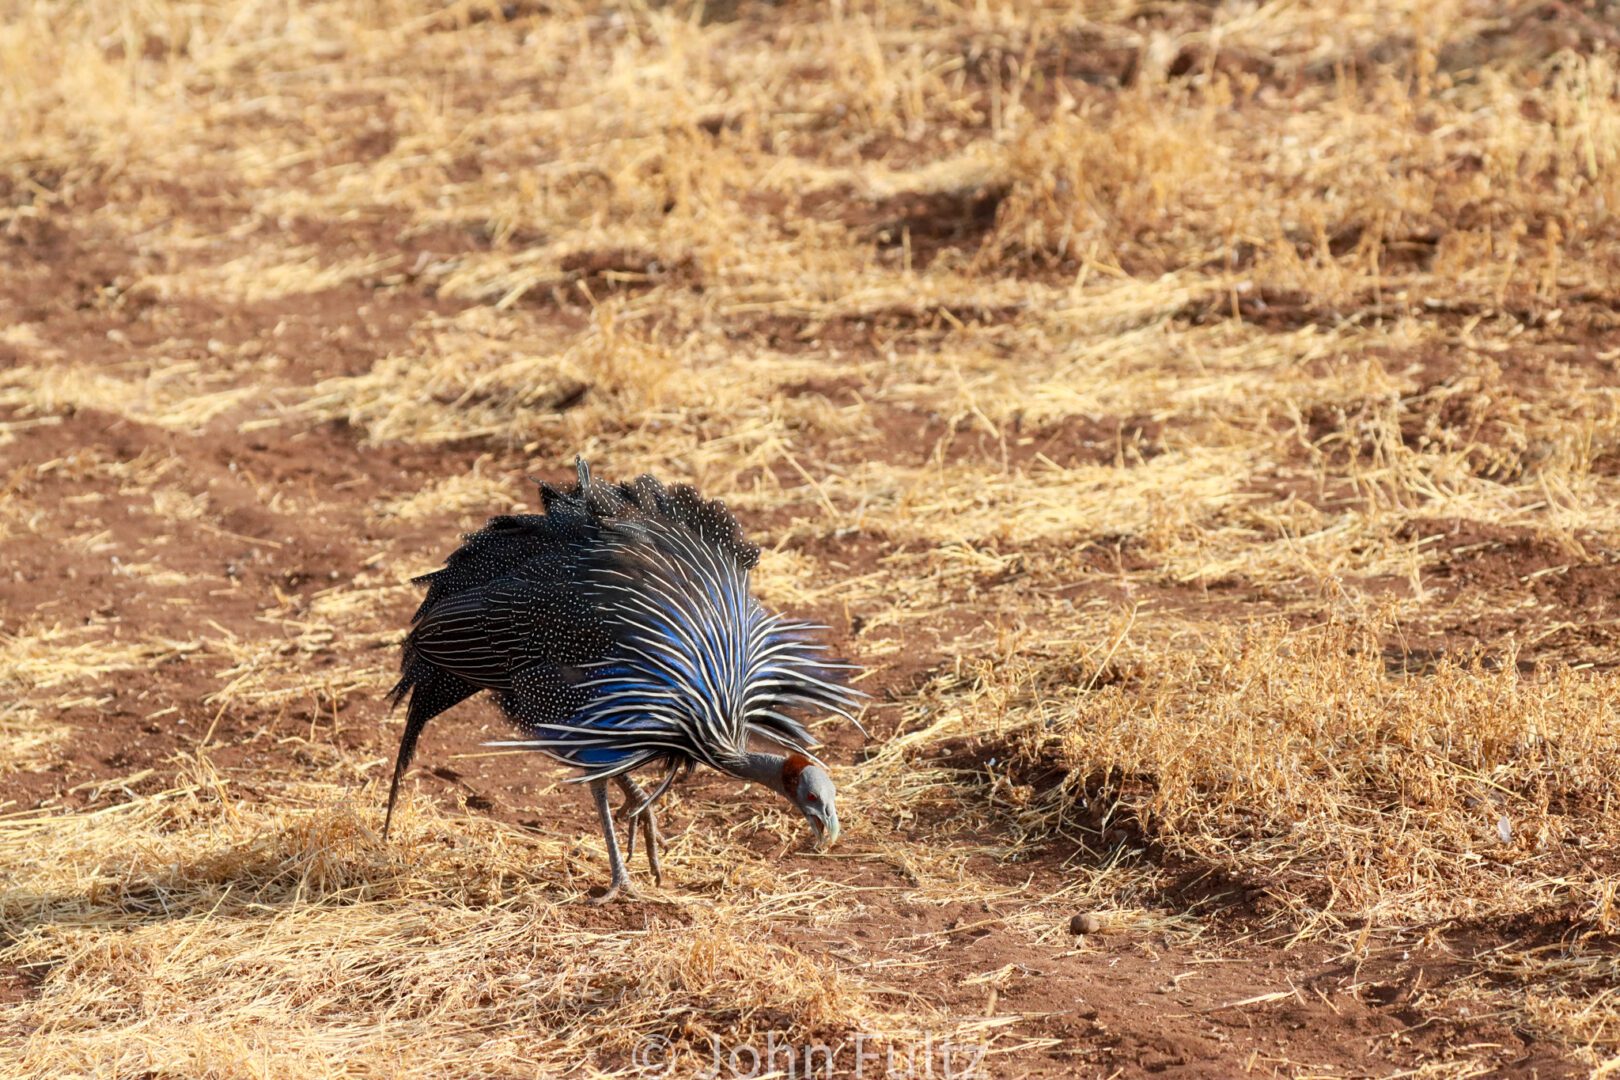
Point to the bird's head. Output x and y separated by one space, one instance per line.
808 787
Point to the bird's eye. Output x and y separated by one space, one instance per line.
812 797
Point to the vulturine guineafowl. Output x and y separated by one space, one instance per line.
617 631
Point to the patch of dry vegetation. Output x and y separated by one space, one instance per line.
1202 418
289 931
1291 759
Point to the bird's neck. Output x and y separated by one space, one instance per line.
777 772
763 768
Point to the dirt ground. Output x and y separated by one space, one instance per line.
1199 420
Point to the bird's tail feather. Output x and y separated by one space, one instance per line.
432 691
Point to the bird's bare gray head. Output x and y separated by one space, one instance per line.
808 787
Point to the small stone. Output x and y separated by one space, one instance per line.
1085 923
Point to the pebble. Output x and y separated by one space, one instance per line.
1086 923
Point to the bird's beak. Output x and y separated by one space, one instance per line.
825 827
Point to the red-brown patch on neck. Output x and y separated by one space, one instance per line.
792 766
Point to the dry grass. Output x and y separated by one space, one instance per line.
297 943
1202 419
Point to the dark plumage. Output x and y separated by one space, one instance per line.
617 630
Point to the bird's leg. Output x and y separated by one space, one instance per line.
631 810
620 881
641 807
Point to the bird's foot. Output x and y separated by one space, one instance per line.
616 890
